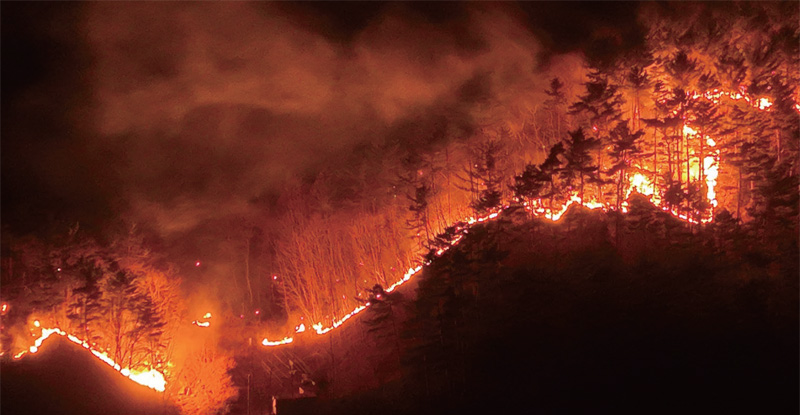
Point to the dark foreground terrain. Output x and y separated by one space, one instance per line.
64 379
589 316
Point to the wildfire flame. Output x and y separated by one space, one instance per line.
152 378
637 182
285 340
199 323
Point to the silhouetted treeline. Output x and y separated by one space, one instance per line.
568 317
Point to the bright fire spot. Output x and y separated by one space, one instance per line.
711 172
199 323
152 378
36 323
642 184
4 307
285 340
301 328
274 277
763 103
197 263
258 312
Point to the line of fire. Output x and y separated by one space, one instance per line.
692 138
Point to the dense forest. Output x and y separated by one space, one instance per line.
555 317
645 211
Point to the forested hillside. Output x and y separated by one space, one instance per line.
474 216
569 317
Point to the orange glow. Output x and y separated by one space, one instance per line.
152 378
636 182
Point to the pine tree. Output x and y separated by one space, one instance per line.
86 307
637 81
119 302
419 223
556 106
528 185
624 151
550 169
600 107
485 176
580 165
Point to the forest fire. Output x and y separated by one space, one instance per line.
256 177
201 323
151 378
285 340
638 182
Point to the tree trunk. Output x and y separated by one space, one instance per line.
655 160
247 271
688 169
739 195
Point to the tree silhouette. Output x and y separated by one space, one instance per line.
625 149
580 165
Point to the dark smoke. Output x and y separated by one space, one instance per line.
191 118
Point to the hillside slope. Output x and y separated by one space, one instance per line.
590 314
63 378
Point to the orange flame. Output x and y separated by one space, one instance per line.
199 323
638 182
152 378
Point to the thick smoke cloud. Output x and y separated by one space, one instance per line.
211 105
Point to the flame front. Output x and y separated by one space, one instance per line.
637 182
152 378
